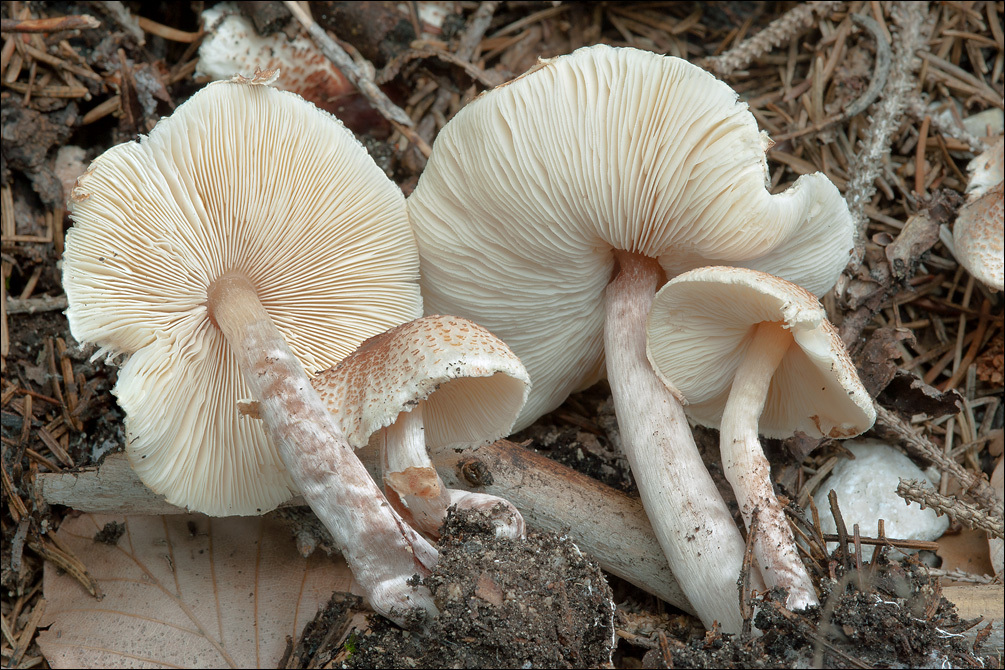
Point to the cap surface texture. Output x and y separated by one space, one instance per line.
472 384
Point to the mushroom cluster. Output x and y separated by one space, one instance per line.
249 242
552 209
752 353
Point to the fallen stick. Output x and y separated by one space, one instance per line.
608 525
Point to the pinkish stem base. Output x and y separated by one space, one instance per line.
409 473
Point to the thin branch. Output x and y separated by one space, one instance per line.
357 76
780 31
955 509
868 163
50 25
921 446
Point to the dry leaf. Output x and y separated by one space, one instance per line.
967 551
183 591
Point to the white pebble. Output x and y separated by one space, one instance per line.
867 491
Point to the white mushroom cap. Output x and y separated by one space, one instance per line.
472 384
532 185
241 178
701 324
979 231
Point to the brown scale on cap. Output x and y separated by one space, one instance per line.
433 383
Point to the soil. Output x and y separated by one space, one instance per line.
927 339
884 616
534 602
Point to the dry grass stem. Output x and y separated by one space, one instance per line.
886 117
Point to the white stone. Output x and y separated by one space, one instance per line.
867 491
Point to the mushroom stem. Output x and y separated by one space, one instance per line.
407 468
414 483
749 472
691 521
382 551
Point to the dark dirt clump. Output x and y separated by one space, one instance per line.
886 615
537 602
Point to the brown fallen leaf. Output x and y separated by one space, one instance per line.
966 551
184 591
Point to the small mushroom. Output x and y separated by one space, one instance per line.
567 196
979 231
232 44
749 352
248 237
438 382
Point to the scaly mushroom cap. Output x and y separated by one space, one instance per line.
233 45
532 185
979 231
473 385
241 178
698 331
986 170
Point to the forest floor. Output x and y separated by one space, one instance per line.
891 101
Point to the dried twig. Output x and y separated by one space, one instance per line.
468 42
867 165
957 510
42 303
921 446
916 106
778 32
118 11
49 25
958 575
921 545
881 70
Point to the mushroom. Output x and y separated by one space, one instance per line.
437 382
615 164
247 241
749 352
233 44
979 231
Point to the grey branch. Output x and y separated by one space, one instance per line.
780 31
607 524
955 509
922 447
337 55
887 116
